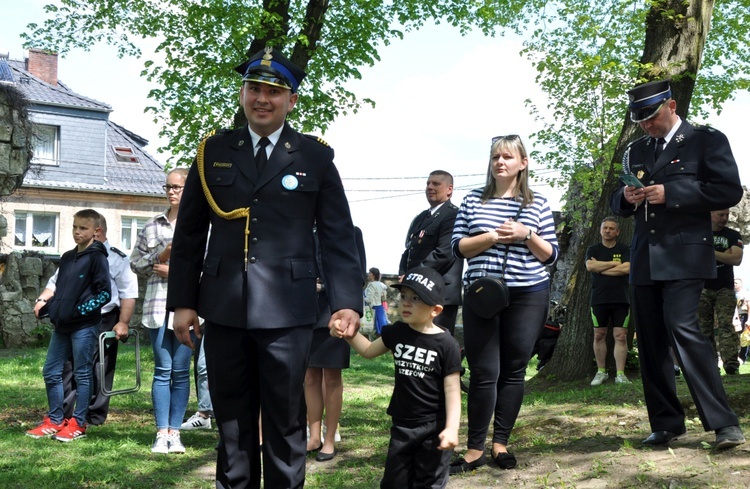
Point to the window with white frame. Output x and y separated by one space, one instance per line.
36 230
46 144
131 226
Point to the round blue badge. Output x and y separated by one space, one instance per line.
289 182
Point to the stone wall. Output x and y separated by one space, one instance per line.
24 275
15 139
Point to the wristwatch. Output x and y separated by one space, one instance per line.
528 236
40 300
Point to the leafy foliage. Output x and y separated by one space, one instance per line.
192 47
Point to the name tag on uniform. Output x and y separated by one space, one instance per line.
222 165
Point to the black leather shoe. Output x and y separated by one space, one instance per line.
661 438
505 460
461 465
729 437
325 457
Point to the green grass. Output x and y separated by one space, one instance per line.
117 454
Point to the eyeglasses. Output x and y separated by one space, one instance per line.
177 188
509 137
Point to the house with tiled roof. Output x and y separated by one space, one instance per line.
81 160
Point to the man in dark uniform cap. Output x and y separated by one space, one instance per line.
685 173
261 188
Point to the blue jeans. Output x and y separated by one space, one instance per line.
82 344
201 375
170 388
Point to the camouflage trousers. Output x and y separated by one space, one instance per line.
715 314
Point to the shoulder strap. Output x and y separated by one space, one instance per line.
507 246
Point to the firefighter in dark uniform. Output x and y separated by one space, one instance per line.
262 188
684 173
428 244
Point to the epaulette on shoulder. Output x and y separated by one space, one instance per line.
318 139
112 248
704 128
216 132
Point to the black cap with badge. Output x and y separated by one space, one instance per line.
647 99
273 68
426 283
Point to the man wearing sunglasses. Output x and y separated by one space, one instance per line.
686 172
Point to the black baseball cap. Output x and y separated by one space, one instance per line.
426 283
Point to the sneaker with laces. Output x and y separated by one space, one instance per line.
175 444
72 431
161 445
621 379
196 422
46 428
599 378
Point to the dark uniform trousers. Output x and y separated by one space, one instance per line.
275 359
656 328
99 405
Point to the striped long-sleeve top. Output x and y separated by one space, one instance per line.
523 269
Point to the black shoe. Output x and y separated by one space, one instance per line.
505 460
729 437
325 457
461 465
661 438
677 371
309 452
731 370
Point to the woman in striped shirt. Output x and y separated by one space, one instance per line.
503 223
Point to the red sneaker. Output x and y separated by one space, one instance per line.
46 428
72 431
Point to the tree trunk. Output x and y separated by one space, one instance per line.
676 33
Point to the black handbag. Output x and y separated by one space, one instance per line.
489 295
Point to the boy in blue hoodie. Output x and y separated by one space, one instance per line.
74 308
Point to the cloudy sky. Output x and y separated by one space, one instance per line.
426 118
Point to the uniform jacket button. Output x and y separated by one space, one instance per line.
255 201
253 259
255 240
254 220
652 215
653 231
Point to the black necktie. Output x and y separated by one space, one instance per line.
261 158
659 147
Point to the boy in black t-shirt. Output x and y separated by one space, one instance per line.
426 401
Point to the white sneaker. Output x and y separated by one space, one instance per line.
337 436
161 445
599 378
196 422
175 444
621 379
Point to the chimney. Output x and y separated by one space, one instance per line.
42 64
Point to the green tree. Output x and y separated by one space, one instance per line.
197 44
587 54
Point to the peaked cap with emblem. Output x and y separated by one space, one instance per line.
272 68
646 99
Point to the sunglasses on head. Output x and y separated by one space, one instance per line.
509 137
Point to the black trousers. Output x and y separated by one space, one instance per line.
252 371
414 461
447 318
666 314
99 404
498 350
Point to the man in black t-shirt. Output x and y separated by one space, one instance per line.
609 264
718 301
